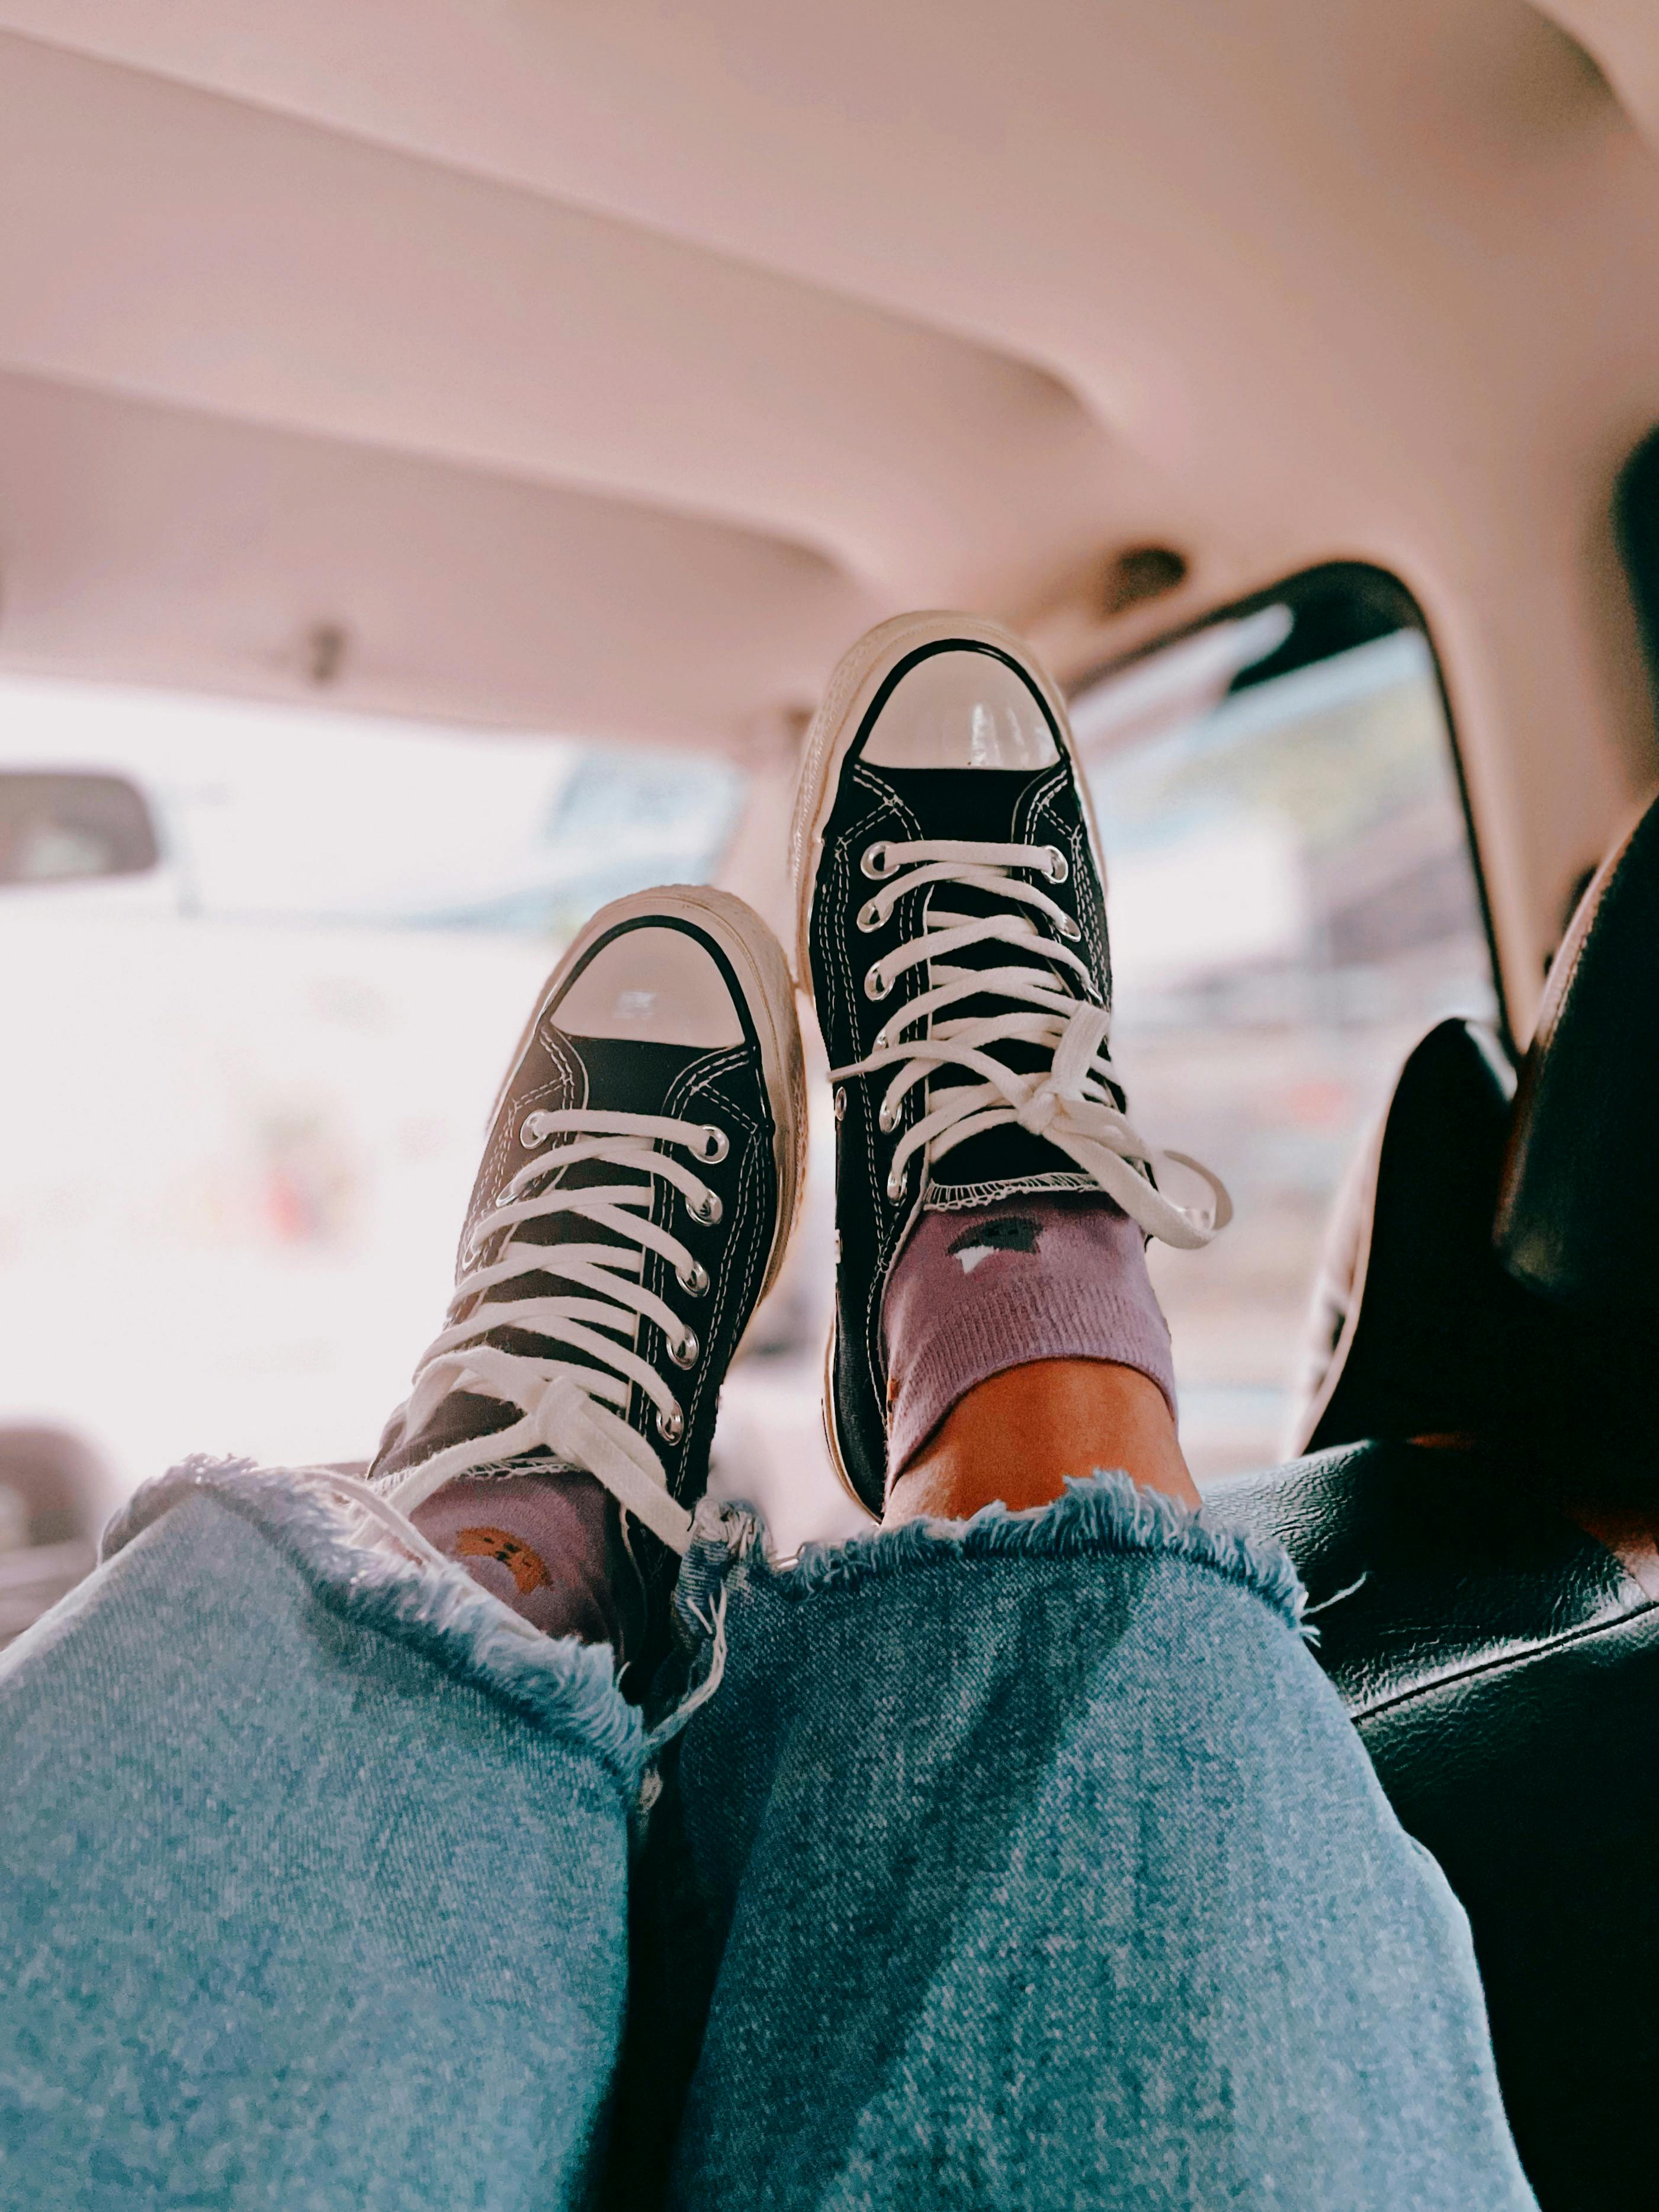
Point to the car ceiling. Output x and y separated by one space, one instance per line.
603 368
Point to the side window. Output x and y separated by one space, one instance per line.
261 971
1293 901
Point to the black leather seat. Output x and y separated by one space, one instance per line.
1502 1669
1490 1613
1411 1304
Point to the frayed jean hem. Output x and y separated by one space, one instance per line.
559 1685
1101 1515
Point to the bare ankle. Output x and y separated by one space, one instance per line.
1015 1438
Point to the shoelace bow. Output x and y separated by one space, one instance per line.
1072 1100
576 1410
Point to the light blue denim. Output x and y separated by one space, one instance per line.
1027 1864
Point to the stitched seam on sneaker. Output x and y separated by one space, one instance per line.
1045 807
968 1197
1056 830
701 1081
889 803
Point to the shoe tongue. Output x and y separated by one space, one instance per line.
987 807
625 1076
633 1075
981 803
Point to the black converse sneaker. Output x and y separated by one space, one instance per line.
953 928
638 1193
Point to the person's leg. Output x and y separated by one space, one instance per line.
1014 1438
993 1195
1029 1858
312 1878
312 1875
1033 1862
638 1189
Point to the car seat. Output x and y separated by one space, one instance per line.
1483 1574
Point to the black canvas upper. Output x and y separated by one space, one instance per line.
1040 806
1415 1329
726 1088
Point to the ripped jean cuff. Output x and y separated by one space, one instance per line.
1031 1861
1100 1517
446 1618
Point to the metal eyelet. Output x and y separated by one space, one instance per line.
876 985
1059 866
716 1144
685 1353
869 917
841 1105
670 1426
530 1134
896 1185
1068 927
708 1209
874 862
695 1285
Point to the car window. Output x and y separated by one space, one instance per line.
245 1090
1293 900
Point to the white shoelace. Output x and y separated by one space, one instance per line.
1072 1103
574 1410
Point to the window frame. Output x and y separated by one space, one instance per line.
1397 608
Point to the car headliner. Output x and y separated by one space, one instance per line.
602 368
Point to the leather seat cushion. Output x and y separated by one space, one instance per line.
1502 1669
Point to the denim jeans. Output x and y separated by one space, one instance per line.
1026 1863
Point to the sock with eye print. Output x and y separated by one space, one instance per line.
974 1292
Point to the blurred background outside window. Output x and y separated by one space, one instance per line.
246 1089
1292 902
245 1092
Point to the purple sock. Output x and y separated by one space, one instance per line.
549 1545
1036 1277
